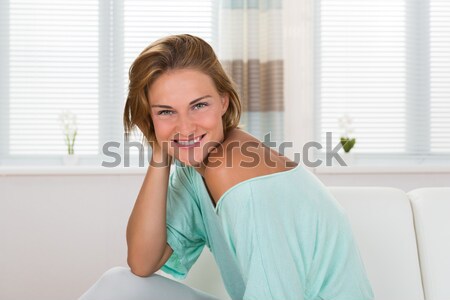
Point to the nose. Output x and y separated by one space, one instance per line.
186 127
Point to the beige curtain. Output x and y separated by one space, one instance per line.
250 48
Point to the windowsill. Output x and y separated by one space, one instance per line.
69 170
98 170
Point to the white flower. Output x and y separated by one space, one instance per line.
68 122
345 124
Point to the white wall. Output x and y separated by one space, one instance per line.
54 228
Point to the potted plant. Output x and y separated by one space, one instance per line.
346 139
70 129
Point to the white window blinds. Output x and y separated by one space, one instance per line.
386 65
75 55
362 72
146 21
53 58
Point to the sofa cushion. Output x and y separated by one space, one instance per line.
382 223
431 208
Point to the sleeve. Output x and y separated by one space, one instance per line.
185 227
337 270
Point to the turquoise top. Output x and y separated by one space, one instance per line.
279 236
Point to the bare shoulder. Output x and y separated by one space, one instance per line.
241 157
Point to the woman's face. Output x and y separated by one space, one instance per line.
187 110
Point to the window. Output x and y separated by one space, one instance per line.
53 65
386 65
75 55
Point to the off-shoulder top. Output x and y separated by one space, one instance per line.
279 236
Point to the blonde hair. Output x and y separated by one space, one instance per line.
182 51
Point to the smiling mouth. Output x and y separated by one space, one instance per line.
190 142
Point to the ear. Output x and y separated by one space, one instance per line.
225 102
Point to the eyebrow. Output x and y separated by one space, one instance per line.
190 103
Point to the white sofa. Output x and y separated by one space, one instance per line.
56 242
404 240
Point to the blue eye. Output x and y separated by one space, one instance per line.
164 112
201 105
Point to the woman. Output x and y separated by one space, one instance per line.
274 229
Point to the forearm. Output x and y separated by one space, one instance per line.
146 230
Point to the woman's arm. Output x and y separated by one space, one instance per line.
167 253
146 230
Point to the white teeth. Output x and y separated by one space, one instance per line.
188 143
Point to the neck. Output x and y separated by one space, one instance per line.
200 169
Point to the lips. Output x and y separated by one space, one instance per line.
189 143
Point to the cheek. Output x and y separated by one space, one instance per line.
162 129
213 121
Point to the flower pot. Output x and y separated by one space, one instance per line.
70 160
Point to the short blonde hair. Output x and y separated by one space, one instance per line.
182 51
